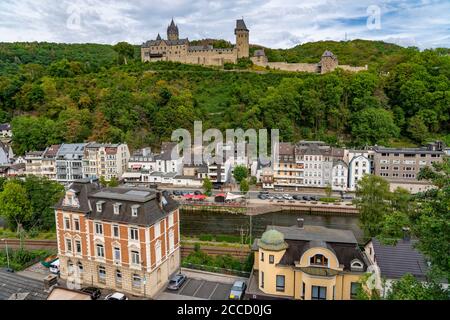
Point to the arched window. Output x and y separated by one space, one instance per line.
318 260
356 265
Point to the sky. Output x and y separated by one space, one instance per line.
272 23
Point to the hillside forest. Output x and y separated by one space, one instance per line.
54 93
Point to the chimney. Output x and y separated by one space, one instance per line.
300 223
406 233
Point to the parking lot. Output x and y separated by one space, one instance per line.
202 289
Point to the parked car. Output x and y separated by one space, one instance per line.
287 197
176 282
279 197
116 296
177 193
262 196
94 292
238 290
306 198
298 197
54 267
198 193
315 198
264 192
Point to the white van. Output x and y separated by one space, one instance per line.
54 267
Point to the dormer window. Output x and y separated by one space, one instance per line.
117 208
356 265
100 206
134 210
319 260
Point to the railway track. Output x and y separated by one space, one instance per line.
30 244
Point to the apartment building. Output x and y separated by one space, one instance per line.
33 165
169 160
287 172
105 160
359 164
48 164
305 262
69 162
142 160
401 166
123 239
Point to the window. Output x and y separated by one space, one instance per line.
99 206
319 260
319 293
100 251
117 208
354 287
356 265
68 245
303 290
118 277
78 246
262 279
134 211
171 240
262 256
67 223
271 259
136 281
134 234
116 231
280 283
101 274
157 229
98 229
135 257
158 252
80 267
117 254
171 223
76 224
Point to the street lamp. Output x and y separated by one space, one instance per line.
7 256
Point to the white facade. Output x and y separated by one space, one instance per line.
339 176
359 166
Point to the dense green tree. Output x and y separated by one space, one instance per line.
373 203
207 186
244 187
15 206
240 173
373 126
125 52
409 288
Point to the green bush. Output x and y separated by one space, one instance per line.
205 237
21 259
329 200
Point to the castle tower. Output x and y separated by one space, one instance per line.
328 63
172 32
242 39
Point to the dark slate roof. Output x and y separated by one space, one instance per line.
166 151
5 127
158 37
82 189
12 283
395 261
328 53
240 25
424 150
51 152
168 42
201 48
150 210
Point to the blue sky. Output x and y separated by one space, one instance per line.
273 23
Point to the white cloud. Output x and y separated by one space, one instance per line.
273 23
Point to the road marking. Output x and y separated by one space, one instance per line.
199 287
214 291
184 286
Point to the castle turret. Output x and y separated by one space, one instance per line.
329 62
173 32
242 39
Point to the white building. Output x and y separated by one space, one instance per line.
6 153
142 161
69 162
169 160
359 164
33 166
339 176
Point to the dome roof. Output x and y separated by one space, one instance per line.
272 240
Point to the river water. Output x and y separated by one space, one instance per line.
199 222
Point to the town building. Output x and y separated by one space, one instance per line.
392 262
287 172
359 165
142 160
123 239
401 166
306 262
169 159
180 50
33 166
6 153
69 162
48 163
5 130
12 170
105 160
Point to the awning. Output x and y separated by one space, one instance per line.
188 196
132 175
231 196
200 197
223 195
136 166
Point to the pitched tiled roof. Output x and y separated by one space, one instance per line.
240 25
395 261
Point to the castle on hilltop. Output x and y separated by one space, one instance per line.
180 50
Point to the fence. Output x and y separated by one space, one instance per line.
238 273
